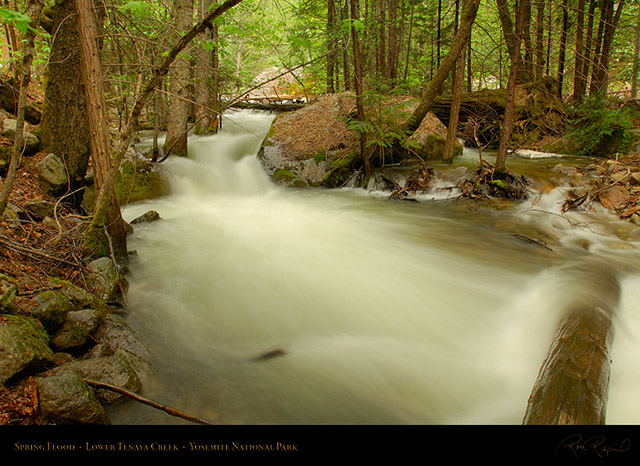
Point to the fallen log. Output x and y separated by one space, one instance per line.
573 382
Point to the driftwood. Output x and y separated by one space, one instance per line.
136 397
572 386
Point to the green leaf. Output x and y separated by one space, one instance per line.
20 21
136 7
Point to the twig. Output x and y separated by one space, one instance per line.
153 404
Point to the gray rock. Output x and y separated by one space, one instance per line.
65 398
119 338
8 290
71 336
52 308
113 370
150 216
89 319
32 143
53 174
105 281
40 209
24 347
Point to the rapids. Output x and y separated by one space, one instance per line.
389 312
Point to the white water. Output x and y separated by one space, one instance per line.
390 312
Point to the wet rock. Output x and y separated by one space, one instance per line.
118 337
8 290
65 398
79 297
24 347
71 336
614 198
150 216
53 174
32 143
113 370
88 319
105 281
51 310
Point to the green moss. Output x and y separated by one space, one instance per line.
284 175
341 169
138 181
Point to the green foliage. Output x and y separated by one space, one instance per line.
602 126
20 21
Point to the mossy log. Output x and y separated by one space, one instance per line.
573 383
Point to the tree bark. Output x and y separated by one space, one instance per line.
505 134
110 217
331 46
539 67
357 69
600 78
35 8
563 47
435 85
176 142
205 75
458 83
636 62
580 49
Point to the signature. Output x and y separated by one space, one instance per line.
577 445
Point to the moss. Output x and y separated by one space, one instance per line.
138 181
284 175
341 169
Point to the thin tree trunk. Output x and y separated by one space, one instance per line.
539 68
435 85
581 85
600 79
110 217
579 57
457 84
505 135
331 48
563 47
636 62
357 69
176 142
25 71
202 112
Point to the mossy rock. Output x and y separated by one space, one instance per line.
52 309
341 169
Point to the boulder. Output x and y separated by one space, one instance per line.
105 280
65 398
113 370
70 337
32 143
88 319
119 338
150 216
79 297
24 347
614 197
53 175
51 309
40 209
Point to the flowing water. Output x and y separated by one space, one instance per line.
388 312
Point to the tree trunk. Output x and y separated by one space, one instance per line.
580 88
539 68
25 79
110 218
204 107
600 77
636 62
579 56
331 46
64 129
357 70
563 46
176 142
435 85
458 83
505 134
512 38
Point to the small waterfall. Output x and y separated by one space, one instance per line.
386 312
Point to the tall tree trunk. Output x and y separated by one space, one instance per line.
28 53
110 217
206 74
563 47
176 142
454 118
345 52
64 129
507 124
435 85
636 62
579 57
600 78
539 67
581 84
512 38
331 46
357 69
528 47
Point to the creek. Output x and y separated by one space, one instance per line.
387 312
